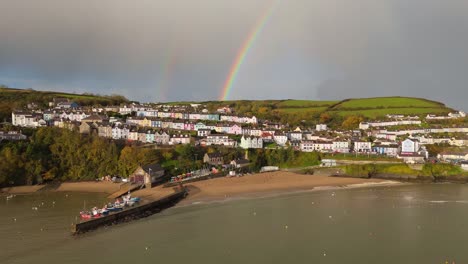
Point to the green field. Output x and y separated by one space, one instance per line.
304 103
373 113
388 102
301 110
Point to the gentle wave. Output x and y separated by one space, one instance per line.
443 201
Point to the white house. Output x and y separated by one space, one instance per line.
161 138
179 139
362 146
217 139
203 132
340 146
321 127
280 139
295 135
312 145
27 119
409 146
251 142
453 156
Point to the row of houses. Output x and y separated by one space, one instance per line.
456 115
368 125
198 116
134 133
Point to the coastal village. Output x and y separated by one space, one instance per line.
166 125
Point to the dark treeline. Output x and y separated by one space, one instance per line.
59 154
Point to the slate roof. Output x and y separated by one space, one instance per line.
154 167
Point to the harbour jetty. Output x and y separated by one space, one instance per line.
136 212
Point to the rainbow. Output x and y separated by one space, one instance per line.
246 46
167 68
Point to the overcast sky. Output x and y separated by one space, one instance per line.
158 50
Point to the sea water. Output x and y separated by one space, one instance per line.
420 223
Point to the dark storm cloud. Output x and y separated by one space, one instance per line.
325 49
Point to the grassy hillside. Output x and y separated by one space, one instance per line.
309 112
293 112
381 106
11 99
387 102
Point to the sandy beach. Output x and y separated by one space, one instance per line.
268 183
218 189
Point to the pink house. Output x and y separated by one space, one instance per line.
235 129
189 126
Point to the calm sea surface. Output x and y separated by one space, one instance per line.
399 224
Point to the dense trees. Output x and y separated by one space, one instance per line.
60 154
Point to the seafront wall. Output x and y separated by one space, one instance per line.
133 213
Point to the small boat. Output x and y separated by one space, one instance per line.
85 215
114 209
135 199
96 213
119 205
104 211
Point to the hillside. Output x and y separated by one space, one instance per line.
309 111
11 99
381 106
293 112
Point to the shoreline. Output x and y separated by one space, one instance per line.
203 200
83 187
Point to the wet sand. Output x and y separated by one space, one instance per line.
22 189
94 187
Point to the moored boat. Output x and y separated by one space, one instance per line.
85 215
